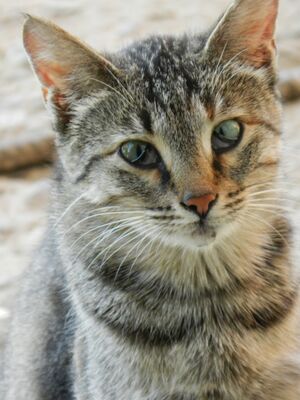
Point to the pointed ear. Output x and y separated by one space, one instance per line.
67 69
246 33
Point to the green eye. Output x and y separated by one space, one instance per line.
226 136
140 154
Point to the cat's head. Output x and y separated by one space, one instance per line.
175 136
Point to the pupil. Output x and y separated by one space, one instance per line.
139 152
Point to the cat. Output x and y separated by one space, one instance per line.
167 270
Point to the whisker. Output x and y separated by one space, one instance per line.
268 207
99 239
130 231
68 209
251 215
216 76
254 199
99 227
254 185
267 191
136 246
99 215
149 244
281 185
124 98
120 83
119 248
118 207
223 71
272 201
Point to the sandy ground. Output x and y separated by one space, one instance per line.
105 25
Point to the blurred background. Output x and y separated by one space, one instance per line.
25 133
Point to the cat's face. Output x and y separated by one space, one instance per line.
148 154
173 138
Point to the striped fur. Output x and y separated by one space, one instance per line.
132 296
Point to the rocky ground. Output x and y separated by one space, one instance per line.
105 25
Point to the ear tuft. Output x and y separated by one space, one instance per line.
246 32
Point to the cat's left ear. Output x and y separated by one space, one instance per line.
246 33
67 69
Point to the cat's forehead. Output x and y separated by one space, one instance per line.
173 75
173 91
180 65
168 67
169 80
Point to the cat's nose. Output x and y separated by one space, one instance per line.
200 204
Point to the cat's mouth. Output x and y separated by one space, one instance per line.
204 229
195 235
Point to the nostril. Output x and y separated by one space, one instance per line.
193 208
185 206
189 208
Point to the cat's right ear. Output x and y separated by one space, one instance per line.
67 69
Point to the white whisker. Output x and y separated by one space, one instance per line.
123 97
136 246
68 209
99 215
103 236
121 84
145 247
264 222
99 227
119 248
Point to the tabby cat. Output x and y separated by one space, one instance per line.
166 272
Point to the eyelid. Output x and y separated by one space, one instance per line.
239 119
120 140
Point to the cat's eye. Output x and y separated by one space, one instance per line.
140 154
226 136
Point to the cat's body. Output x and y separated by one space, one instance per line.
171 276
200 349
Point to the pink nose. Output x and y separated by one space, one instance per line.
202 204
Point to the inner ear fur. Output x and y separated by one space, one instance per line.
246 33
66 68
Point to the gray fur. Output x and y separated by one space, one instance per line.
130 297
